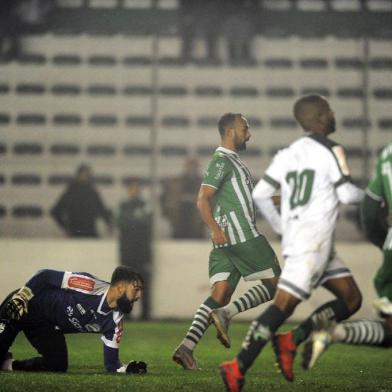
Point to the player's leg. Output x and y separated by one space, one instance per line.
297 277
383 279
377 333
361 332
50 343
259 333
348 301
256 260
223 280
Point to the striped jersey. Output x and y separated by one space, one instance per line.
380 185
308 173
233 207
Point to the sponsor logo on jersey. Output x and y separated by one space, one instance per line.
220 170
81 310
92 327
81 282
2 327
75 322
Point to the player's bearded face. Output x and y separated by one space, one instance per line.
124 304
240 145
331 125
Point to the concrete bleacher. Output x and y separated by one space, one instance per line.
89 98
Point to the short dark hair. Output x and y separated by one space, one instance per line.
303 103
227 120
125 274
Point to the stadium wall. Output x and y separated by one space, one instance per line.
180 281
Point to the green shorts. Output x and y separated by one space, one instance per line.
253 260
383 278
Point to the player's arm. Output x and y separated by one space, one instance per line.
17 306
346 191
374 220
263 197
111 357
205 199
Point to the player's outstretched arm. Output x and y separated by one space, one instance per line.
348 193
262 195
113 364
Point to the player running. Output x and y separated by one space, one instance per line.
54 303
377 223
313 177
226 206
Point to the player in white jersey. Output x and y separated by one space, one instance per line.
313 177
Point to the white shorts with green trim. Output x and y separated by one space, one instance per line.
303 273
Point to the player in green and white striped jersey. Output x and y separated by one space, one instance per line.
377 219
239 250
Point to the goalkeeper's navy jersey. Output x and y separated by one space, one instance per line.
75 303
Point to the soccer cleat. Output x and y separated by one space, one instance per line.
184 357
285 351
7 363
383 306
231 375
221 322
317 344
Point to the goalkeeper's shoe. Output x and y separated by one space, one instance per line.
285 351
231 375
221 321
314 347
184 357
7 363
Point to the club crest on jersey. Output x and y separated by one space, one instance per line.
80 282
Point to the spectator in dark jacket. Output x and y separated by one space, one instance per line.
80 206
134 221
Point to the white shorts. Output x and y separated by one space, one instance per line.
302 273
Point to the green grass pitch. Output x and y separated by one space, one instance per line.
342 368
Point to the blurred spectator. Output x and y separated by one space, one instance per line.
80 206
10 26
199 19
18 17
240 28
134 221
179 202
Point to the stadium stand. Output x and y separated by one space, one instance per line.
84 92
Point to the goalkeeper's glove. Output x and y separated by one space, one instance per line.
16 306
134 367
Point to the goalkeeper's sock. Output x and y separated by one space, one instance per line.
200 323
335 310
259 334
255 296
366 332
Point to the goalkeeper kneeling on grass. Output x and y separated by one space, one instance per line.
54 303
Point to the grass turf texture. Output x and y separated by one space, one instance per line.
342 368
